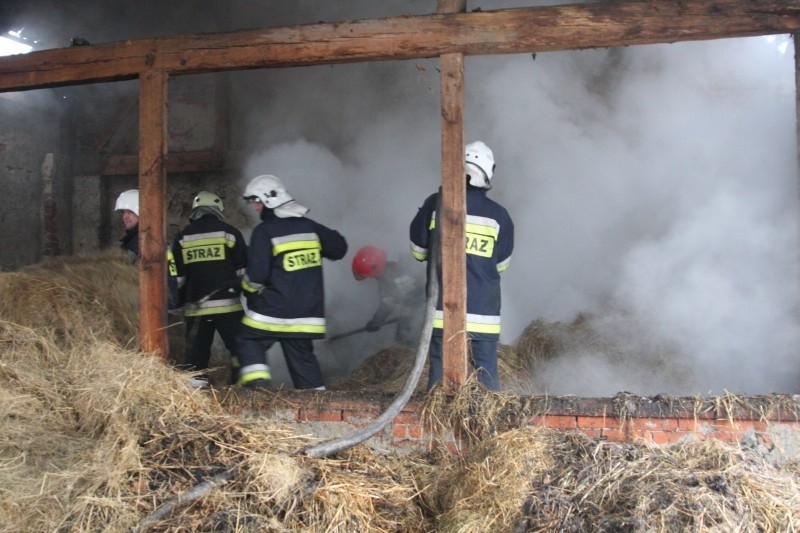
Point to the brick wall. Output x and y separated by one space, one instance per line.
768 424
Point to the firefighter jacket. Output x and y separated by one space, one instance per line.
207 258
283 289
130 241
489 243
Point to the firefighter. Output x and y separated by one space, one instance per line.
283 292
489 243
208 259
128 206
401 295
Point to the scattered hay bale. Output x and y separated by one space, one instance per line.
387 370
75 298
539 479
96 437
536 479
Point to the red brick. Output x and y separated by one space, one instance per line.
559 421
741 425
597 422
360 417
415 431
306 415
592 433
690 424
399 431
664 437
616 435
407 418
654 424
349 404
725 436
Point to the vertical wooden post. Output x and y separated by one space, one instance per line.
453 215
152 212
795 38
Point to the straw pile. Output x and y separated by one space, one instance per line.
386 371
76 298
535 479
94 436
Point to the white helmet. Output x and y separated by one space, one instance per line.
128 200
480 164
269 189
272 193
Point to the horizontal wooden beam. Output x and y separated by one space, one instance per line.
508 31
177 162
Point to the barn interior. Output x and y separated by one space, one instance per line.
647 153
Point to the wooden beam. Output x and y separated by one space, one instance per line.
453 215
152 212
507 31
203 161
795 41
453 221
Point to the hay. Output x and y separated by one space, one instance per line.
75 298
535 479
97 437
387 370
538 479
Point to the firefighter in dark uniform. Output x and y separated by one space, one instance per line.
282 290
401 294
208 259
489 243
127 205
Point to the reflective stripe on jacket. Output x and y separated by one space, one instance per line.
206 255
283 290
489 244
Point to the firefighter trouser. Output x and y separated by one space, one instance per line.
200 336
483 359
303 366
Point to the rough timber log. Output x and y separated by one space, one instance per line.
453 214
508 31
153 213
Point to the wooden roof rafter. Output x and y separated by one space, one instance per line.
507 31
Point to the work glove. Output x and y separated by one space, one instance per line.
233 286
252 298
373 325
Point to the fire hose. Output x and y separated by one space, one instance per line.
334 446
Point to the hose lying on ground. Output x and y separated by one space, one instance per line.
334 446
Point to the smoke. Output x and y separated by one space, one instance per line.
653 188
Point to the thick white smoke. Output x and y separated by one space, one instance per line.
652 187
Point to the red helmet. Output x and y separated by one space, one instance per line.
369 262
